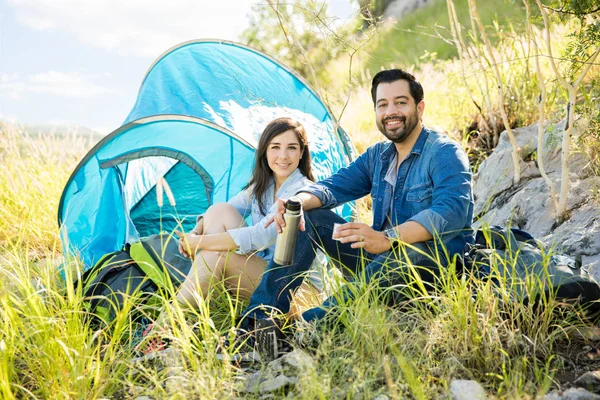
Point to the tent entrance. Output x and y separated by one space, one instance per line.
140 170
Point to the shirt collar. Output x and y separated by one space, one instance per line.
293 178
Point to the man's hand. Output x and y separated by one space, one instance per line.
188 244
278 219
363 236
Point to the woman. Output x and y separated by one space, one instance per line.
223 246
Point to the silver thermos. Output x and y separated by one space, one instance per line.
286 240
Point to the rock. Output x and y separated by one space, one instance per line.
579 394
299 360
251 383
381 397
399 8
590 381
143 398
466 390
528 206
530 209
278 374
580 234
553 395
277 383
496 172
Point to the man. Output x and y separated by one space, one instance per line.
420 183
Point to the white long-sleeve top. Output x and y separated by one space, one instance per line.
255 237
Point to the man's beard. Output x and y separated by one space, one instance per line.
399 134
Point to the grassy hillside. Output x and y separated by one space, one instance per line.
424 35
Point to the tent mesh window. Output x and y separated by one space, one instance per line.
189 182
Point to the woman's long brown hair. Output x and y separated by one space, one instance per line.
262 173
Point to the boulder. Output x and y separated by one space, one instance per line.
590 381
467 390
528 205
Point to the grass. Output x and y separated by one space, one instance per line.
424 36
463 329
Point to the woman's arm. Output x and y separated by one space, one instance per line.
192 243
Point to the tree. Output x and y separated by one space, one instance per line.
299 33
372 10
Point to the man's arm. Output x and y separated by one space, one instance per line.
363 236
411 232
448 212
347 184
309 201
452 195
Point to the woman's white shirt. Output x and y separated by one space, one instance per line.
256 237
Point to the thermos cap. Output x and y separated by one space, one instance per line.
293 204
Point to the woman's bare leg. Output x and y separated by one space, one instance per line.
242 273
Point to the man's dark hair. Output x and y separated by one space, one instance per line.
392 75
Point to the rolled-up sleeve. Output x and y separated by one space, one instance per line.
255 237
347 184
452 195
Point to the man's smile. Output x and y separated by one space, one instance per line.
393 122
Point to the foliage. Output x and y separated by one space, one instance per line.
372 10
299 33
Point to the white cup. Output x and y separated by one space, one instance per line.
336 228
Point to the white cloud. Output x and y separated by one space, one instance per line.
10 86
65 84
136 27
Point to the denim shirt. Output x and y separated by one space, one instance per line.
256 237
433 188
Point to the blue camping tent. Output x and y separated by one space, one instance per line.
199 112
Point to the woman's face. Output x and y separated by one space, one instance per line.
284 154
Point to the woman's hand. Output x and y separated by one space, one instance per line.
278 219
363 236
188 243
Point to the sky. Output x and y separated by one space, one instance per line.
82 61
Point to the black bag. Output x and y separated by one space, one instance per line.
517 258
138 271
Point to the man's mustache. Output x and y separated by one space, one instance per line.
402 119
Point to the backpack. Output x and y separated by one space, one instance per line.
138 271
519 259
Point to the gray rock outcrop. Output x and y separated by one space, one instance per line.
528 205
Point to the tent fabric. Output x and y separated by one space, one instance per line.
240 89
196 122
94 212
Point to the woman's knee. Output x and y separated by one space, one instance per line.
220 217
220 210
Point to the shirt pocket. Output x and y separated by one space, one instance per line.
419 197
